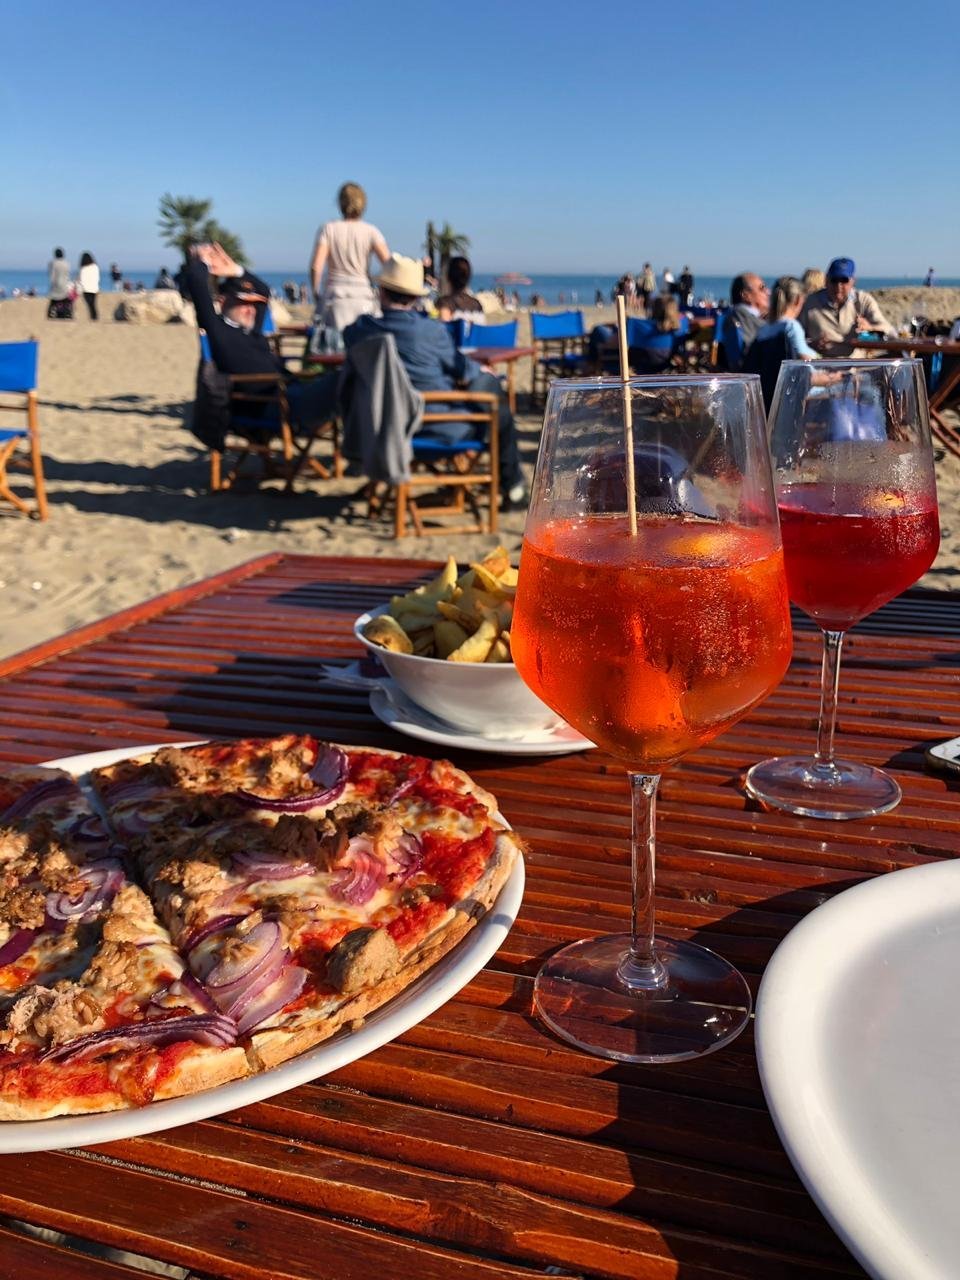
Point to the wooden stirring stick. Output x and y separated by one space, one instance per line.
627 416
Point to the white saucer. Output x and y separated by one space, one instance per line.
392 706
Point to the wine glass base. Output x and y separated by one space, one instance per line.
803 785
701 1004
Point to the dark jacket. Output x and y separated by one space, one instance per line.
426 348
234 350
749 322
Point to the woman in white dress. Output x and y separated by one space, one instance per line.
342 251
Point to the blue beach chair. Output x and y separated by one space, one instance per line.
728 342
18 379
560 341
491 335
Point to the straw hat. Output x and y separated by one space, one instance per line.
403 275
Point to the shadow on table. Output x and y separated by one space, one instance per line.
695 1138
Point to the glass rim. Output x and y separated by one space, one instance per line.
601 382
853 362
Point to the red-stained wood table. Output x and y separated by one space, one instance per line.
476 1145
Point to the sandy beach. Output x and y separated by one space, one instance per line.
129 513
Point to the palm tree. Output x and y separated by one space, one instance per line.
185 221
450 243
430 248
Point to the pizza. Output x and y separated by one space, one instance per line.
248 900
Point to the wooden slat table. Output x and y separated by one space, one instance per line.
477 1146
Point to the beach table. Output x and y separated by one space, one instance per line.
491 356
477 1146
947 390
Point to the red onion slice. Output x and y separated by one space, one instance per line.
236 999
135 823
203 931
89 830
358 882
229 895
408 855
260 945
330 773
122 792
405 787
186 987
35 795
262 866
16 945
100 884
275 998
202 1028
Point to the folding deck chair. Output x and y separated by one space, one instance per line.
18 379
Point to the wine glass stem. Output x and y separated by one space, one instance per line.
829 683
640 969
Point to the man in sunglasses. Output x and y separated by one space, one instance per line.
749 304
834 316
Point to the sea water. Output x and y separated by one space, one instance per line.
574 289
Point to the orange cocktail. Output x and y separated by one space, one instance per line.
653 645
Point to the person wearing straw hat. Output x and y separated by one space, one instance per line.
433 363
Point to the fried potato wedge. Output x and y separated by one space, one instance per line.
499 652
422 599
448 636
462 617
387 632
497 562
454 613
476 647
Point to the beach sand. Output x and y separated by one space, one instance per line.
129 513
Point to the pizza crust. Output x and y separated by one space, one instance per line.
274 1045
202 1070
306 1027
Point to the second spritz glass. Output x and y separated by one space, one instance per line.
853 463
651 641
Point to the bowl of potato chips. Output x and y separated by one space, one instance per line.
447 645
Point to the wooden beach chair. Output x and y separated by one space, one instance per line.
18 397
267 434
457 479
467 469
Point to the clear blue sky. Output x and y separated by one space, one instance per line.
563 136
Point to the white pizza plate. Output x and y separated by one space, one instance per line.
391 705
414 1004
858 1043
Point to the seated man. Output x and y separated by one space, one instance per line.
237 344
749 302
833 316
433 363
458 303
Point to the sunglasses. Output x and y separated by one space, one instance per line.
840 279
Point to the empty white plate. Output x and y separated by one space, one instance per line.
858 1041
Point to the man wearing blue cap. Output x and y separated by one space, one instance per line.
834 316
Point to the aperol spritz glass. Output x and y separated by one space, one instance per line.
650 641
856 487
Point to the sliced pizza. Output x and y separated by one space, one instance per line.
98 1010
306 883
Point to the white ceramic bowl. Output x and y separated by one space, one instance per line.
484 697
